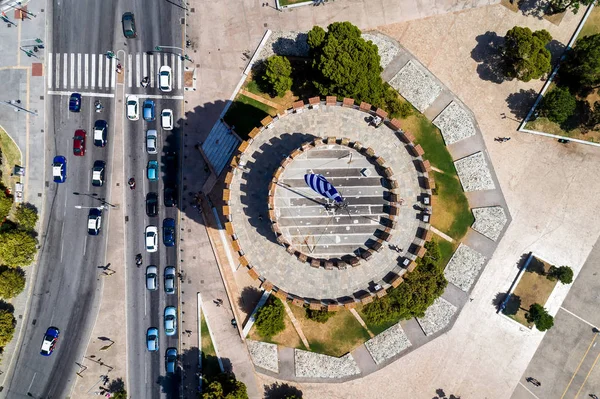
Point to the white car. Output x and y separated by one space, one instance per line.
151 138
151 238
133 108
164 78
166 117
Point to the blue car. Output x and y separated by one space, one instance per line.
75 102
153 170
152 339
59 169
148 111
50 340
169 232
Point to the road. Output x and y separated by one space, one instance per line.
67 287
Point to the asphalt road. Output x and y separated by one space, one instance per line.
67 286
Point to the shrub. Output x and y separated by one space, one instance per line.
278 74
320 316
269 318
540 317
564 274
12 283
223 386
7 327
26 217
394 105
17 248
558 105
5 205
525 53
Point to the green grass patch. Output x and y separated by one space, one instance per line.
11 156
245 114
375 328
254 88
592 24
430 138
210 365
446 250
451 213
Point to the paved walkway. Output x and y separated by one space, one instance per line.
261 99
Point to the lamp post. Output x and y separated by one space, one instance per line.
101 207
23 10
17 107
5 19
183 57
94 196
39 44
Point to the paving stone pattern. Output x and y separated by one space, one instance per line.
417 85
387 47
249 192
455 123
264 355
489 221
388 344
463 268
437 316
316 365
474 173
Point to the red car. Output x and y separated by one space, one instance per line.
79 143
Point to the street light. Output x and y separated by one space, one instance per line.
5 19
182 56
22 9
101 207
94 196
17 107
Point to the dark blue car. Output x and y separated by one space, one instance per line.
50 340
148 111
169 232
59 169
75 102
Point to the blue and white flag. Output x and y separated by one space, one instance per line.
319 184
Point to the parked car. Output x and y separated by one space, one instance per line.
152 339
75 102
153 170
94 221
100 132
165 78
166 117
151 140
79 143
151 238
171 360
128 22
152 278
98 173
133 104
148 111
151 204
59 169
170 321
49 341
169 232
170 279
169 195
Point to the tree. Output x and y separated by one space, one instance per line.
17 248
525 53
581 67
269 318
320 316
223 386
558 6
594 116
26 217
558 104
119 395
5 205
540 317
7 327
564 274
12 283
345 64
278 74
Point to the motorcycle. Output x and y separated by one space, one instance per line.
98 106
138 259
131 183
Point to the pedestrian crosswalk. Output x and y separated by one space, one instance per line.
97 72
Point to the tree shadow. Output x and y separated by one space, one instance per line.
292 47
7 306
522 260
536 266
302 77
557 49
512 305
488 54
499 299
248 299
521 102
533 8
440 394
115 386
281 391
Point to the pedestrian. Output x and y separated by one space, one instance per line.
259 217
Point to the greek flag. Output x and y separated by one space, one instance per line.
319 184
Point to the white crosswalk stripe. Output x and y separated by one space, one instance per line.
70 71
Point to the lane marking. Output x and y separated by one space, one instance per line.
106 73
588 374
157 96
100 60
65 68
86 71
574 315
145 65
138 78
151 62
93 77
113 71
72 70
579 365
129 70
85 244
85 94
31 384
79 70
179 72
49 70
57 66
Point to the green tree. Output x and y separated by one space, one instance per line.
5 205
540 317
7 327
119 395
396 107
223 386
320 316
525 53
26 217
269 318
558 104
12 283
558 6
581 67
278 74
564 274
594 116
346 65
17 248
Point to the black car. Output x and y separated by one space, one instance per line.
129 25
152 204
170 196
100 132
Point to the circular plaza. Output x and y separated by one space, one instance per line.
306 246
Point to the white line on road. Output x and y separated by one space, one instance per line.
100 59
93 77
87 70
145 301
57 66
151 58
527 389
145 65
79 68
179 72
113 73
129 70
574 315
106 73
85 244
158 96
49 70
31 384
68 93
65 68
138 78
72 70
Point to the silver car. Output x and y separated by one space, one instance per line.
170 321
152 278
170 279
151 139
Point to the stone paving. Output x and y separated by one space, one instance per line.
454 123
437 316
489 221
474 173
264 355
315 365
463 267
388 344
417 85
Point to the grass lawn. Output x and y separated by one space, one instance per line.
245 114
338 336
288 337
446 249
374 328
210 365
592 25
451 213
533 287
11 156
547 126
430 138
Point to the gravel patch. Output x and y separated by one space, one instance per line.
417 85
437 316
455 123
289 43
388 344
489 221
387 47
264 355
463 268
474 173
316 365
